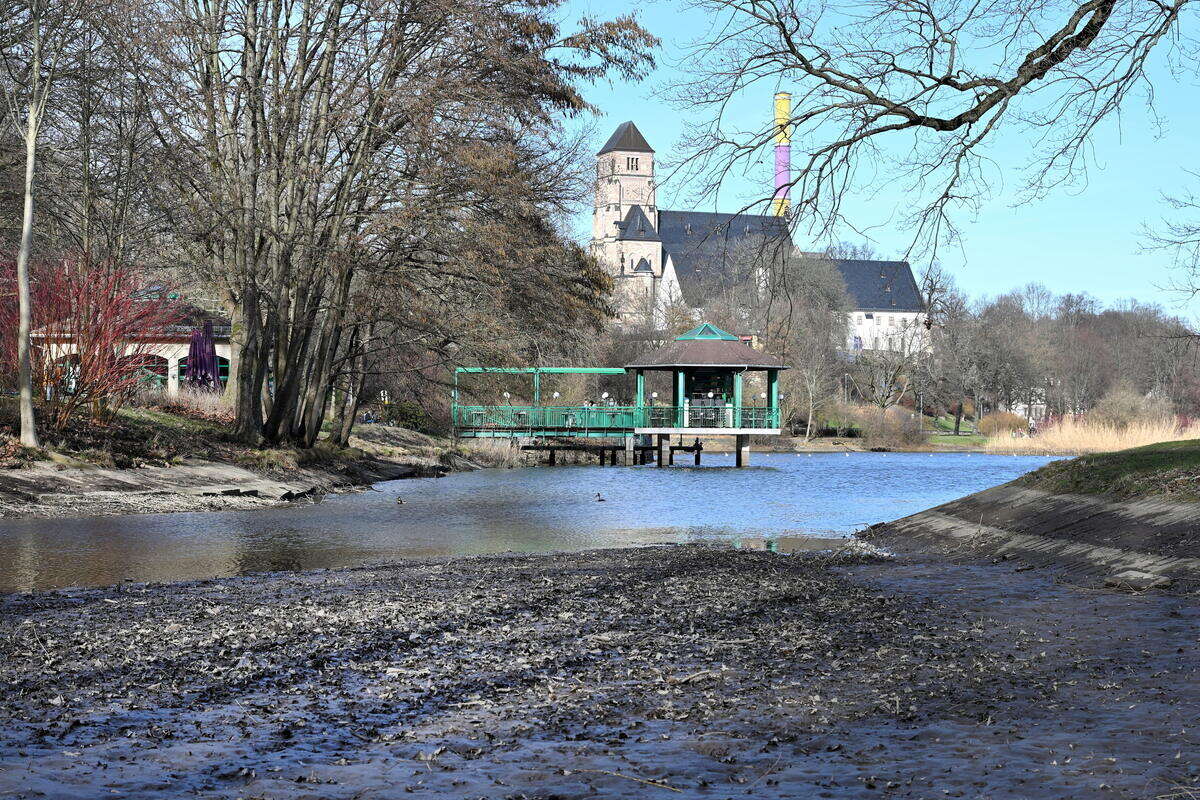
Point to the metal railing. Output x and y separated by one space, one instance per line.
711 417
599 420
531 420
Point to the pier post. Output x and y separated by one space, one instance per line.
661 456
553 453
629 452
742 446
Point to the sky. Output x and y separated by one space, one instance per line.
1089 238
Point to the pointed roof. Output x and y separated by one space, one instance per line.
706 330
637 227
626 137
706 346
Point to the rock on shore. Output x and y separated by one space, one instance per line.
657 672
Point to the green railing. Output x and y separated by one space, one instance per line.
710 417
603 420
534 420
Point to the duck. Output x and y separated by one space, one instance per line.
599 499
400 501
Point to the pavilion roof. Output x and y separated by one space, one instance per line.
706 346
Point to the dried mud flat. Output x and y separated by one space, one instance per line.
656 672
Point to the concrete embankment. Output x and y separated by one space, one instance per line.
1137 543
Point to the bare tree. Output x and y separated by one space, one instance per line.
42 34
334 155
916 92
883 376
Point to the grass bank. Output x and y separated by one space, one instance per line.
1170 469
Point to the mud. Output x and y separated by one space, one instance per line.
656 672
46 490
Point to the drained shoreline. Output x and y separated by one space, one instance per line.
650 672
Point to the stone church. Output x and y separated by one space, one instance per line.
658 258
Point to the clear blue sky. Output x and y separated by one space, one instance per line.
1087 239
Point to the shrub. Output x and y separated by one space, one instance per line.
109 321
409 415
894 428
1124 406
837 418
1001 422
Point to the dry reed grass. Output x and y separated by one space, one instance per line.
1071 437
492 452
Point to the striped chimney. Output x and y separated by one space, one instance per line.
783 154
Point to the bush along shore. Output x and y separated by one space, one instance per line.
145 460
655 672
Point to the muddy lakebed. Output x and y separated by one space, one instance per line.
677 670
649 672
538 509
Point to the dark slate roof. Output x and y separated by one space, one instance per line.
701 245
880 285
705 353
626 137
637 227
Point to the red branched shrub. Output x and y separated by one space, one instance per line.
96 333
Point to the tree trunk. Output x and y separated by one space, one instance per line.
29 436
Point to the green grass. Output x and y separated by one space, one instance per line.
156 419
1167 469
950 440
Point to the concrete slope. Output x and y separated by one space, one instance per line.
1152 537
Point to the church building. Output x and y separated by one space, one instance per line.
658 258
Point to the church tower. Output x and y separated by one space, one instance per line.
625 221
624 178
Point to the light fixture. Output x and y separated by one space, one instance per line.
654 395
763 396
506 395
604 396
556 395
710 395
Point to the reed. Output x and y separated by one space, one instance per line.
492 452
1072 437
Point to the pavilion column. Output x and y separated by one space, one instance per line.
737 399
664 447
773 396
537 388
680 394
640 396
742 448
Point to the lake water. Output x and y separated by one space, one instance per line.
536 509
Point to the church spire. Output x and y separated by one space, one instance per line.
626 138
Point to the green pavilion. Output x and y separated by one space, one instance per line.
709 397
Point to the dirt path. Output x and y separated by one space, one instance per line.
659 672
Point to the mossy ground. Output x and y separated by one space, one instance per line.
1167 469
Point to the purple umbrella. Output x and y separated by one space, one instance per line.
202 371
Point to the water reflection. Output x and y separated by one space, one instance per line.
524 510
